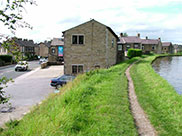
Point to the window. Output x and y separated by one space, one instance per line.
77 39
153 47
142 47
136 45
119 47
53 50
112 42
77 69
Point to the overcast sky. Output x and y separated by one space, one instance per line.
152 18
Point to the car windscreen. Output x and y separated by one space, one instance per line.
65 78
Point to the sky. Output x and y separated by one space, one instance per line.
152 18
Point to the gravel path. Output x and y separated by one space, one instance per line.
143 124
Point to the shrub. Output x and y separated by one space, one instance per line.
134 53
6 58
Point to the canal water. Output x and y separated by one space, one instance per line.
170 68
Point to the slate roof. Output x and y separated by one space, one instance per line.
25 42
150 41
129 39
57 42
46 43
166 44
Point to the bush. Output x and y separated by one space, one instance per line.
6 58
134 53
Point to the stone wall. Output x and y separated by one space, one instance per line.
97 49
44 50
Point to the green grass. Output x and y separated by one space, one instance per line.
95 104
158 99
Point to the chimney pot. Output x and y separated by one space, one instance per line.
121 34
138 34
146 37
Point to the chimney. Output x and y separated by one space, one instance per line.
159 39
121 34
146 37
138 35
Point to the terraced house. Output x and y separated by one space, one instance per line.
167 47
147 45
88 46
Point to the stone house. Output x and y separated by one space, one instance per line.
56 51
89 46
167 47
151 45
127 42
27 47
44 49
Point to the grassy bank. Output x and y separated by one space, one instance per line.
96 103
159 100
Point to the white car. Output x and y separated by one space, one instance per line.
22 65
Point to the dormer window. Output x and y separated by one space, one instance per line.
78 39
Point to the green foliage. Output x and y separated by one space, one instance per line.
134 53
6 58
3 83
158 98
11 13
95 103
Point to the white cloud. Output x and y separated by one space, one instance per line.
50 18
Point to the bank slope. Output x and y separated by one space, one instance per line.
96 103
158 98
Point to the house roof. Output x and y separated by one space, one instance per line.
46 43
25 42
150 41
97 22
57 42
166 43
129 39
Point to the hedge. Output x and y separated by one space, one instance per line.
6 58
134 52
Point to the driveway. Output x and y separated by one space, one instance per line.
28 90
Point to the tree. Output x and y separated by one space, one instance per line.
11 16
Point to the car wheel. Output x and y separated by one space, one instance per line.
58 86
15 69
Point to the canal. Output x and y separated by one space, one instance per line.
170 68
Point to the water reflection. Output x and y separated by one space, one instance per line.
170 68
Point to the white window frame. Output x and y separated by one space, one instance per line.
78 39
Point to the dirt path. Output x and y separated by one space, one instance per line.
143 124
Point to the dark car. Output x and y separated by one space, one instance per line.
62 80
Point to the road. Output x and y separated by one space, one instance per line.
9 71
28 90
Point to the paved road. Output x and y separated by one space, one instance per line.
9 71
28 89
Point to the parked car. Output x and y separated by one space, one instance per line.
43 60
22 65
62 80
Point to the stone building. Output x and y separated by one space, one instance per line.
56 51
127 42
44 49
89 46
135 42
167 47
151 45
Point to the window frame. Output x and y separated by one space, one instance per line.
77 69
78 39
120 49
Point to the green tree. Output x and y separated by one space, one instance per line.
11 17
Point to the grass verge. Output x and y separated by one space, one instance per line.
96 103
158 98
